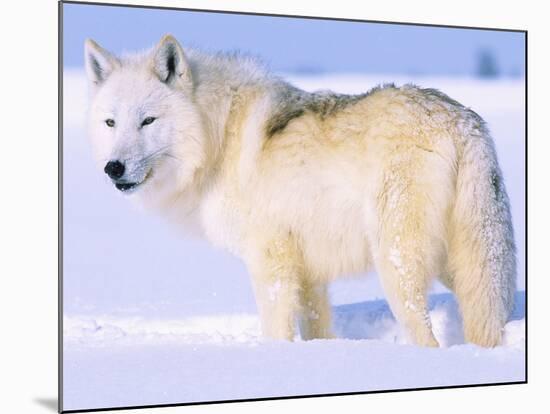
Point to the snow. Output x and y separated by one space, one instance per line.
155 317
138 361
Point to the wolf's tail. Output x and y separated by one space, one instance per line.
482 260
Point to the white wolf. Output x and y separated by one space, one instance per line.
308 187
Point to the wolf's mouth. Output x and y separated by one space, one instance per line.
128 187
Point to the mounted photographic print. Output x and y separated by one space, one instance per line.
260 206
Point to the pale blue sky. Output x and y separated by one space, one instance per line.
293 44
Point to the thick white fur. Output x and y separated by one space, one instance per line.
404 181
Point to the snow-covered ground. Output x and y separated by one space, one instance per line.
155 317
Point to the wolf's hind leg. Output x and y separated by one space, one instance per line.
405 282
315 318
409 249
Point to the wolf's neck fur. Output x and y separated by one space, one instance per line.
227 69
222 80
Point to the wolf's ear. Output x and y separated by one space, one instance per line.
170 64
99 63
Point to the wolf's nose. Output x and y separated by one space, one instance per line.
114 169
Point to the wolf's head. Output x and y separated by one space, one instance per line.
143 123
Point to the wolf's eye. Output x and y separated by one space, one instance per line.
110 122
147 121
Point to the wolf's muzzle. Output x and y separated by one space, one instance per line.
114 169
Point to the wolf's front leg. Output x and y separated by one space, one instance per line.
315 320
276 270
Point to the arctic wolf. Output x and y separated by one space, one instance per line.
308 187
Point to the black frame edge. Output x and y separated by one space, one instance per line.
291 397
60 206
95 3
